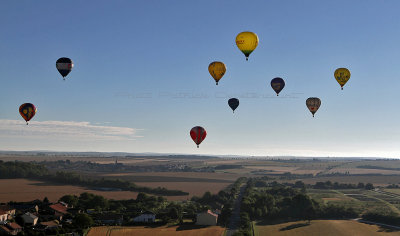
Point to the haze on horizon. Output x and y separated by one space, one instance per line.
140 80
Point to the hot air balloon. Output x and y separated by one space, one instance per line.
342 75
198 134
27 111
64 66
277 85
247 42
313 104
217 69
233 103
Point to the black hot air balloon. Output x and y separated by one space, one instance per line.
277 85
233 103
64 66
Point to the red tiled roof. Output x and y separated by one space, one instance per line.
50 223
59 208
14 225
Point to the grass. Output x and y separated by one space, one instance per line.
323 227
183 230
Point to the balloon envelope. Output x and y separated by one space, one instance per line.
198 134
247 43
277 85
217 70
313 104
233 103
27 111
342 75
64 65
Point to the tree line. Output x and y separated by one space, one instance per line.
281 203
29 170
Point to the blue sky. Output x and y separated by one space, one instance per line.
140 80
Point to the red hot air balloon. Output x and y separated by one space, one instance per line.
198 134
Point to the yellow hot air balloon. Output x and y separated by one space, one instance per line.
217 69
342 75
247 42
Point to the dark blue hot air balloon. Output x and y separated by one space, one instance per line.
277 85
233 103
64 66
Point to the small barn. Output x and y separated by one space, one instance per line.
206 218
145 217
30 219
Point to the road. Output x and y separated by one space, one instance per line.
234 221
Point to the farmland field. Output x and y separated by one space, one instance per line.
196 181
28 190
185 230
323 227
359 199
378 180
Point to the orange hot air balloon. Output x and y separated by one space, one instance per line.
217 70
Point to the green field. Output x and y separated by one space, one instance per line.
361 200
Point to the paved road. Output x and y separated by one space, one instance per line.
234 221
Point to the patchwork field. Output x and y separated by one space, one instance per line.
362 200
185 230
380 180
324 227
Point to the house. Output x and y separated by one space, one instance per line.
10 228
3 216
9 210
146 217
59 209
206 218
30 219
109 219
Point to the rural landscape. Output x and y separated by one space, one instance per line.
103 193
199 118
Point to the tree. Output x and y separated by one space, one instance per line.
46 200
299 184
71 200
173 213
369 186
83 220
141 197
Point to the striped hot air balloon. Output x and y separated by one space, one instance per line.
198 134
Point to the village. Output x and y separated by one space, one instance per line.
63 217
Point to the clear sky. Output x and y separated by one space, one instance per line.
140 80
